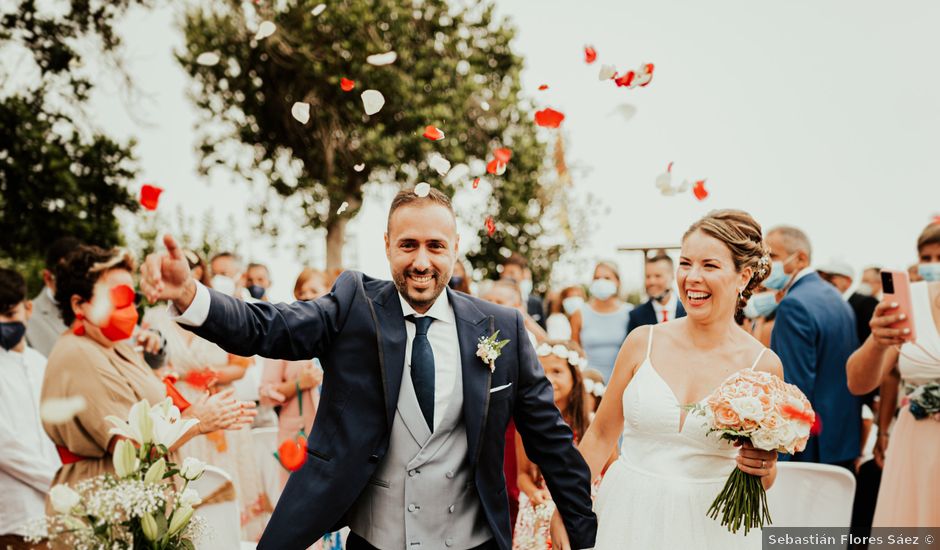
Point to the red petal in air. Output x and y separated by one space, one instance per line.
626 79
293 453
549 118
150 196
122 296
490 226
503 155
590 54
543 87
496 167
699 190
433 134
476 182
791 412
346 84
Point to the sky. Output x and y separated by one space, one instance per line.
822 115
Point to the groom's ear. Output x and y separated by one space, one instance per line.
387 246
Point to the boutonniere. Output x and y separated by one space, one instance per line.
489 349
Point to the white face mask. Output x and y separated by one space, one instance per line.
603 288
572 304
223 284
864 289
526 288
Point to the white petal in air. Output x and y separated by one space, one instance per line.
301 112
208 59
626 110
359 167
372 101
440 164
318 10
380 59
342 208
664 181
422 189
683 187
607 72
265 29
59 411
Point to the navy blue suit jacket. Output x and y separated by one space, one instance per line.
814 335
646 315
358 333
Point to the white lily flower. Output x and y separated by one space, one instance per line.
138 427
168 426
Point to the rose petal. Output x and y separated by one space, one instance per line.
433 134
359 167
645 75
549 118
342 208
372 101
496 167
476 182
699 190
590 54
265 29
490 226
607 72
422 189
208 59
543 87
320 8
345 84
380 59
150 196
626 79
503 154
61 410
301 112
440 164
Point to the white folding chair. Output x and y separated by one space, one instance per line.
219 509
811 495
264 441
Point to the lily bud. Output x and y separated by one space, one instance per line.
156 472
180 519
125 458
149 526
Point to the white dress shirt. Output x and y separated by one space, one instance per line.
670 308
442 334
28 459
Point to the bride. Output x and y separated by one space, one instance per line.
670 469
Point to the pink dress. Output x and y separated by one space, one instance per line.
908 495
276 372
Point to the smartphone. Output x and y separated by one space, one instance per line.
897 288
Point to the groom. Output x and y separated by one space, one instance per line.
407 445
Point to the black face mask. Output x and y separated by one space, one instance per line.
11 334
662 297
256 291
455 281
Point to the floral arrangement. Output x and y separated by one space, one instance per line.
761 409
140 506
924 400
489 348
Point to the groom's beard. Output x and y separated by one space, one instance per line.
425 298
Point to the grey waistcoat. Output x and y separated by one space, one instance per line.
422 495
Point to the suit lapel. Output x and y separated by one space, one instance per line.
390 330
471 325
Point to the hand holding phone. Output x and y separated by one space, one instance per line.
893 320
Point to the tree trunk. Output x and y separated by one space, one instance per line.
335 239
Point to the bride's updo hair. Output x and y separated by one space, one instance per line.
743 236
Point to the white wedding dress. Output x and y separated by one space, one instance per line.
657 494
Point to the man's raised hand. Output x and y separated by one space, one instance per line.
166 276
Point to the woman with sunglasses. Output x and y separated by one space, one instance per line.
96 359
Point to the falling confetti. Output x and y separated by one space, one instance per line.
641 77
503 155
301 112
208 59
150 196
433 134
490 226
607 72
346 84
549 118
60 411
380 59
543 87
496 167
342 208
359 167
476 182
664 180
320 8
590 54
626 79
699 190
372 101
422 189
440 164
265 29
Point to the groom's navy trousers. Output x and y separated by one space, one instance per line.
358 333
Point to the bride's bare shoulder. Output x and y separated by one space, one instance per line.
769 362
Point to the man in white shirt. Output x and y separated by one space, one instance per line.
28 459
46 324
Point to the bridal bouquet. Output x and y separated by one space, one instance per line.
139 506
759 408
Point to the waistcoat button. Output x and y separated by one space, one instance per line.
411 507
449 542
450 475
451 508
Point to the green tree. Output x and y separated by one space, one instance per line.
454 70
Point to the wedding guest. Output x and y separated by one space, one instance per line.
600 326
506 293
913 273
225 270
662 305
311 284
871 282
814 335
459 281
761 313
907 497
557 325
594 386
572 298
28 460
46 324
841 275
258 281
94 360
515 268
560 361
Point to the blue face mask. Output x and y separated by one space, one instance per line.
572 304
930 272
603 288
11 334
256 291
778 278
761 305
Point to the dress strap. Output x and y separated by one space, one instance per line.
649 345
759 355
